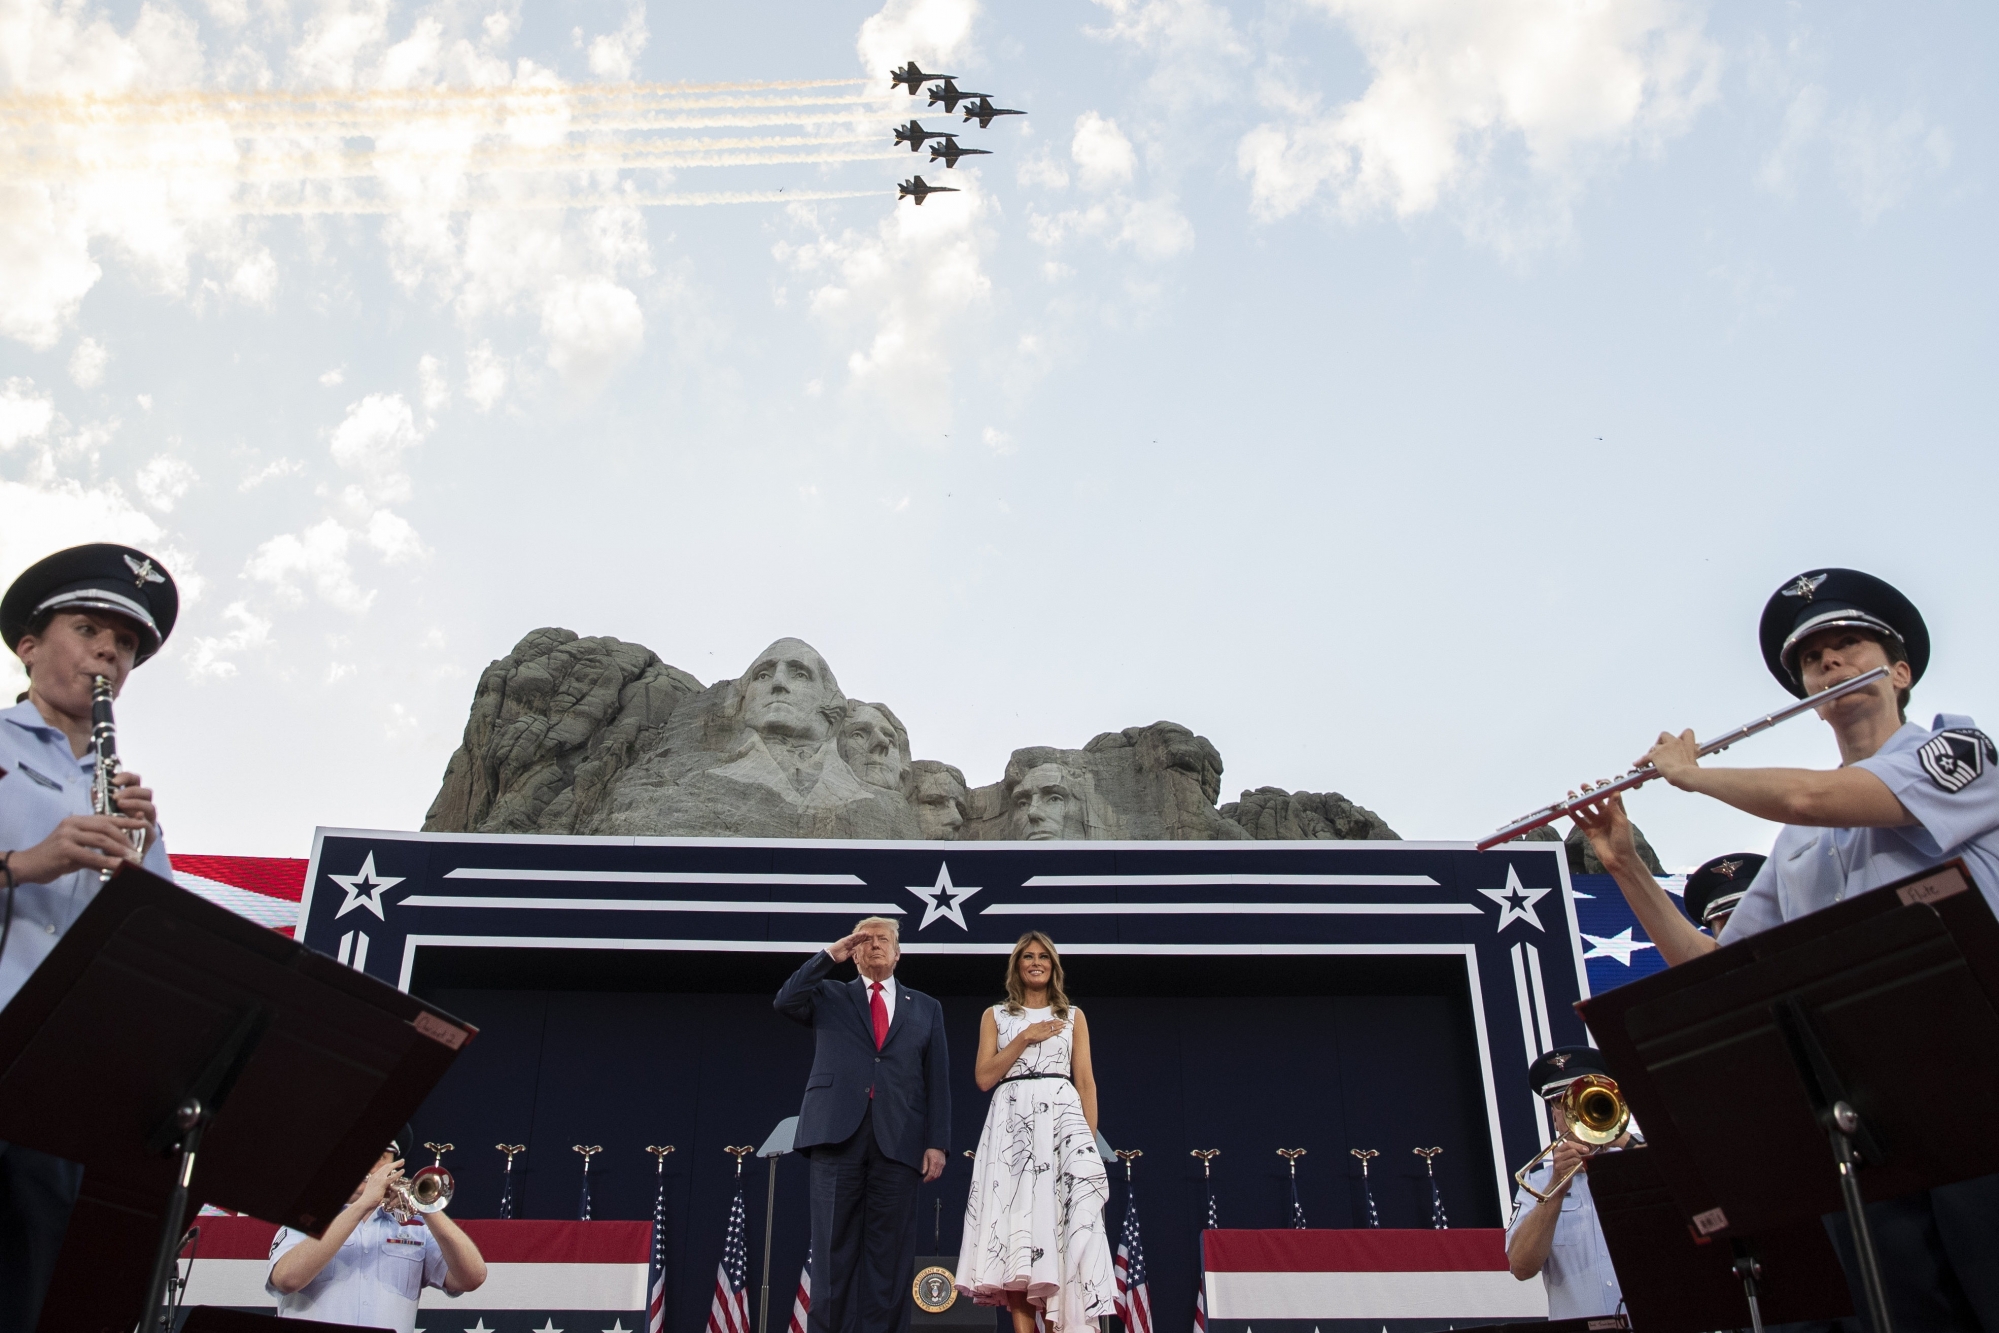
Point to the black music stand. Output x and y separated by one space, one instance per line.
1820 1041
221 1319
1600 1323
162 1024
1677 1282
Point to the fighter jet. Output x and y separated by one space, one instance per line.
914 77
949 97
948 152
915 188
983 111
914 134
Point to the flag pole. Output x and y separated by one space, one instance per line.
770 1215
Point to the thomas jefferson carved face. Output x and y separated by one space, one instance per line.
1047 806
869 744
790 692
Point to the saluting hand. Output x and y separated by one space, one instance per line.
842 949
1676 758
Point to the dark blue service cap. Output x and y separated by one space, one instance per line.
1719 884
97 577
1828 598
1562 1066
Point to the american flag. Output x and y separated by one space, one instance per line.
1133 1301
1201 1281
656 1263
729 1312
801 1304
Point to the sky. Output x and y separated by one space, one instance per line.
1418 398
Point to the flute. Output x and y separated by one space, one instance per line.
104 739
1643 774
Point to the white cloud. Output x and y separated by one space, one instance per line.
485 377
1876 162
613 55
334 378
208 657
24 414
900 293
430 379
316 556
593 326
283 467
1198 54
933 33
998 441
164 480
1454 83
391 535
1102 154
86 363
372 440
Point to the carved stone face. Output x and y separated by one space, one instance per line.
940 805
868 744
789 692
1047 806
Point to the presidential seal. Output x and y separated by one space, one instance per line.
935 1289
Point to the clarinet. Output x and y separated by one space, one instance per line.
104 738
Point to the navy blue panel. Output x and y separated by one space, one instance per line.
1616 947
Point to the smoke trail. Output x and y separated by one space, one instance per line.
553 203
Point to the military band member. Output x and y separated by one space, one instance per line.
369 1267
1559 1239
97 610
1904 798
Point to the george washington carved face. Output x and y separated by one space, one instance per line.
790 692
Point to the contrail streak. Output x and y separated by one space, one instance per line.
690 200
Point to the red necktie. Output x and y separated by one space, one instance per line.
878 1008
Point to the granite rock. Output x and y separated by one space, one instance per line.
1272 812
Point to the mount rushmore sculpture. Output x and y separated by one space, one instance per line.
598 736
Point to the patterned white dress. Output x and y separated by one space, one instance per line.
1035 1219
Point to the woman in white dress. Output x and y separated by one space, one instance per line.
1034 1223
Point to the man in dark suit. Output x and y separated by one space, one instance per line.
876 1121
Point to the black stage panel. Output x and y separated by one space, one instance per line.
1245 1055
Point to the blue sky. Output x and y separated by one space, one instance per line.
1417 399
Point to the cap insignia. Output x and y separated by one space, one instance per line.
1803 586
1559 1060
1727 869
143 572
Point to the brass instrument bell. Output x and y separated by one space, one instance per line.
430 1189
1597 1116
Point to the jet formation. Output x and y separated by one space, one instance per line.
978 109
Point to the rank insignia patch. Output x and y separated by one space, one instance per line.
1953 758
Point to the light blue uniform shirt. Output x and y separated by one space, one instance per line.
1944 776
45 783
373 1280
1580 1280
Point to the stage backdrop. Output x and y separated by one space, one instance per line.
1242 996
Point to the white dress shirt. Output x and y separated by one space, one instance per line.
373 1280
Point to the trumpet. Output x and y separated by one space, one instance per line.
1597 1116
1637 777
104 739
428 1191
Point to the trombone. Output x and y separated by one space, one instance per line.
1597 1116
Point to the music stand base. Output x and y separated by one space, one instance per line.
1844 1123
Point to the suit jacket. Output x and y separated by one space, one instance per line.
910 1074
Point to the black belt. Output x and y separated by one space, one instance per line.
1022 1078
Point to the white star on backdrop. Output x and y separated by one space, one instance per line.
365 889
1516 903
1619 946
548 1327
479 1327
617 1326
943 901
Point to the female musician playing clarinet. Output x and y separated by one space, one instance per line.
90 611
1034 1221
